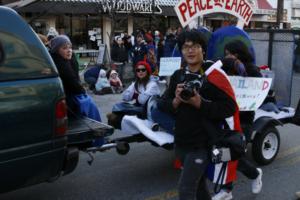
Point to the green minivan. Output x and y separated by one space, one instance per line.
37 141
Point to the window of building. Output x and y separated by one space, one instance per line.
77 27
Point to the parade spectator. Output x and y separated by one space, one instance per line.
149 37
156 38
79 103
119 55
128 43
239 62
52 33
139 51
139 92
43 38
160 49
178 31
91 76
170 43
151 54
115 82
208 104
102 85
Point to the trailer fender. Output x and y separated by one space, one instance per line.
263 122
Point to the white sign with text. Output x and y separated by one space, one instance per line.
168 65
188 10
250 92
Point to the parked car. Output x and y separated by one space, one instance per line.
37 141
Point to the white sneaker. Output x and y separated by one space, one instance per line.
223 195
257 183
298 194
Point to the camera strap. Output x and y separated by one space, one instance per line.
195 74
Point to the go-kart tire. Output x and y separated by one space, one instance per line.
265 146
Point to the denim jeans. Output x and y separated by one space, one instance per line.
165 120
192 182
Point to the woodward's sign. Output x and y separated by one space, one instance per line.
187 10
131 6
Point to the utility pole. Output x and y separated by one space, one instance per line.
279 16
152 16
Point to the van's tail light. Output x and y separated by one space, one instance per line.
61 118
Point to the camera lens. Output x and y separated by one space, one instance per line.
187 93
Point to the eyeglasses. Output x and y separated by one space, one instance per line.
140 70
193 47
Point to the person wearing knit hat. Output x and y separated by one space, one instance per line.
146 65
79 103
67 66
139 92
115 82
58 42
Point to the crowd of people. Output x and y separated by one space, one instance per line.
127 49
189 119
143 45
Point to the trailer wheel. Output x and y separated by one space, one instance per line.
266 145
122 148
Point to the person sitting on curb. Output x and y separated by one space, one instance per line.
115 81
102 85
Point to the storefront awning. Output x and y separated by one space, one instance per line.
166 7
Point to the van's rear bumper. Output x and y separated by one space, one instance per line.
82 131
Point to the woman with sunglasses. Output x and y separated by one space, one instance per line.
139 92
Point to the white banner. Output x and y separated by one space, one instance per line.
168 65
250 92
187 10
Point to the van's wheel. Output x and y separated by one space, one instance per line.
266 145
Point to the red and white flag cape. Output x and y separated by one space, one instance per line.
219 78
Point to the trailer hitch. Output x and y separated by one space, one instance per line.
121 147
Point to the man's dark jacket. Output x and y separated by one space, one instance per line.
119 53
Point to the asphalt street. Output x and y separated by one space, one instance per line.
146 172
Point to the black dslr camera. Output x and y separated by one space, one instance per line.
188 89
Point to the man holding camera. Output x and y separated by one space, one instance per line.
194 100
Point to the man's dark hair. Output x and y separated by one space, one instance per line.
241 50
192 36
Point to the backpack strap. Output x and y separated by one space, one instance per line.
220 179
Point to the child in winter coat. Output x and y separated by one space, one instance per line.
115 82
102 85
